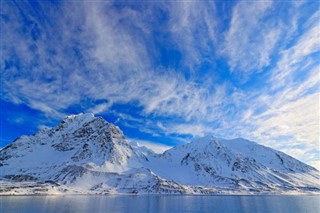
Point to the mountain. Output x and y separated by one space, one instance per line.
87 155
234 165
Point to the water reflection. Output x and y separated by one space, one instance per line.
159 204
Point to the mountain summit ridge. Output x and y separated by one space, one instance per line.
85 154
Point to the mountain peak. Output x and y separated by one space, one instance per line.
88 153
85 124
82 116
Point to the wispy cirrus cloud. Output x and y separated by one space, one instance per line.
250 39
170 69
192 27
300 56
193 129
285 113
106 61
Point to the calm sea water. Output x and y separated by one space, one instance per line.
163 204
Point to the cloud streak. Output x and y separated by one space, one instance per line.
245 50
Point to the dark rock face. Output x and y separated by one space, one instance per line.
20 178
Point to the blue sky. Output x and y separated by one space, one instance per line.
166 71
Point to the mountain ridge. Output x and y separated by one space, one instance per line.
85 154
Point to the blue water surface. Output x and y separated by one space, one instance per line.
160 203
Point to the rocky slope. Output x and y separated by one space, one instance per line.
87 155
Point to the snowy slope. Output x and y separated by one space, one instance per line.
237 164
86 154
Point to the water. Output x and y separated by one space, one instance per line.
163 204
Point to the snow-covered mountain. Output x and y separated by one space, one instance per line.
86 154
236 165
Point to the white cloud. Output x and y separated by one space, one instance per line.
156 147
298 119
117 47
99 108
285 119
285 115
196 130
250 38
114 47
302 155
192 27
315 164
293 59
